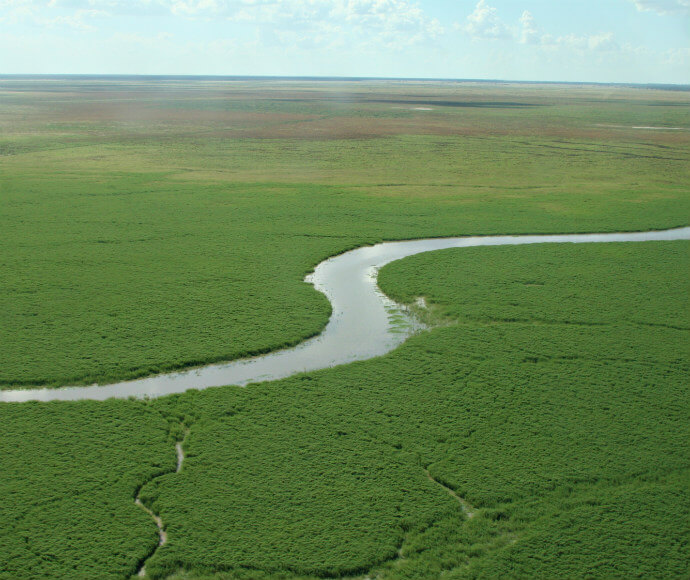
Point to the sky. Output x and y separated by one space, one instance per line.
623 41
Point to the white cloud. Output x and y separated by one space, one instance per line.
529 34
332 22
602 42
484 23
194 7
318 22
662 6
15 10
80 19
678 57
593 42
42 15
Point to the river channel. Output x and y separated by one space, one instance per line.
364 322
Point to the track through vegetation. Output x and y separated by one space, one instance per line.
466 507
162 533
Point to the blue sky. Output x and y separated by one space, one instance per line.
642 41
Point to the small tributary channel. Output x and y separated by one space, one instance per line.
162 534
364 323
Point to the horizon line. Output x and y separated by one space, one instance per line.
325 78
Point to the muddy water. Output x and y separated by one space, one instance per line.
364 322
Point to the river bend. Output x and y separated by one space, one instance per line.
364 322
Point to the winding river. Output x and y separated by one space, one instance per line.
364 322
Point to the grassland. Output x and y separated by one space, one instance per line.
156 226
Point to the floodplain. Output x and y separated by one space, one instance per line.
151 226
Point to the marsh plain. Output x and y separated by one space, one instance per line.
153 225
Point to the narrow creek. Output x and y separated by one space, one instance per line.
466 507
364 323
162 533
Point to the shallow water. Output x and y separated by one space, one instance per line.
364 323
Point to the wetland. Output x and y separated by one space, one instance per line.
160 226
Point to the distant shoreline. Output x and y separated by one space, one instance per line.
245 78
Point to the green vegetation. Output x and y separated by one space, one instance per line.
146 230
573 284
69 475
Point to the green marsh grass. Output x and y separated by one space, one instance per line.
148 227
